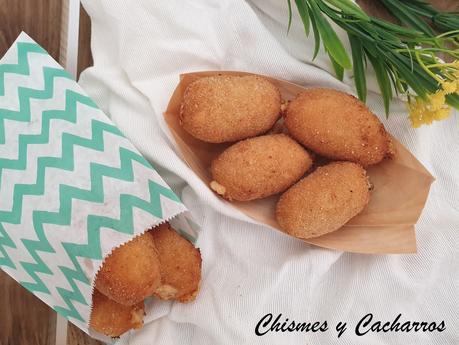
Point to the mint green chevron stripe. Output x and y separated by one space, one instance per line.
67 193
68 114
22 67
38 266
95 223
20 190
96 194
66 163
126 222
68 296
92 249
5 240
26 94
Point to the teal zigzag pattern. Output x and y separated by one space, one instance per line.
20 190
69 114
95 195
23 115
24 95
5 241
63 217
22 68
66 193
95 223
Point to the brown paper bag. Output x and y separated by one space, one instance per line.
386 225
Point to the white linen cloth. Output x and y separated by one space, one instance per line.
140 48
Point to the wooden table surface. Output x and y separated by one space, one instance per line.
25 320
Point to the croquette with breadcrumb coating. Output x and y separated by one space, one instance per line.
180 265
226 108
113 319
131 272
338 126
259 167
323 201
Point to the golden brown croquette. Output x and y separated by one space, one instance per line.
227 108
324 201
113 319
131 272
259 167
338 126
180 265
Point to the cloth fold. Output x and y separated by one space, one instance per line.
140 48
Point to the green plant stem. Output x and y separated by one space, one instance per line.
403 56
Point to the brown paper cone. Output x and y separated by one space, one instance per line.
401 186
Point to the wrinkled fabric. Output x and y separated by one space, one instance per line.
140 48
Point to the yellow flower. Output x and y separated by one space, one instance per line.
424 112
417 110
442 114
449 86
437 100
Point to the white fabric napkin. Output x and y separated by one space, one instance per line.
140 48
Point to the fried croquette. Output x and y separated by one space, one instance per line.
324 201
180 265
113 319
259 167
338 126
131 272
228 108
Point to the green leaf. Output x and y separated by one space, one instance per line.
383 36
453 100
332 43
396 29
350 9
302 7
358 67
370 47
358 30
402 13
383 81
393 79
399 85
446 21
421 8
289 16
419 81
316 36
339 70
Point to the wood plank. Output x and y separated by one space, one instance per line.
446 5
38 18
24 319
375 7
84 38
77 337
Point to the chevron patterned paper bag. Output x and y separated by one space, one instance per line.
72 187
